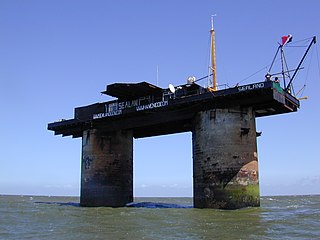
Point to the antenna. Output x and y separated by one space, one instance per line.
212 18
157 75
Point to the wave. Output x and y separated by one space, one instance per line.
155 205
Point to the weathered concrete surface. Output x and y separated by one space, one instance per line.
225 164
107 168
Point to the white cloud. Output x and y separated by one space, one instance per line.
301 186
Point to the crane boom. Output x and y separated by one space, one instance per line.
313 41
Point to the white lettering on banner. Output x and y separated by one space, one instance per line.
251 87
121 105
152 105
107 114
114 109
135 103
111 107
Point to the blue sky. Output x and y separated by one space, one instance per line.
57 55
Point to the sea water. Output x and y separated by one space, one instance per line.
39 217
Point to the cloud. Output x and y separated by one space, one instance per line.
38 189
300 186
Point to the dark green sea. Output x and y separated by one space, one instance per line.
38 217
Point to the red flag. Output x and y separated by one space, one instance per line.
286 39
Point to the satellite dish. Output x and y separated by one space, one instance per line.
191 80
171 88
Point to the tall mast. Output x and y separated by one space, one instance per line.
213 67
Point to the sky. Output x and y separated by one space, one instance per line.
56 55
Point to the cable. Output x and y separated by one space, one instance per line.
318 60
264 68
302 40
203 77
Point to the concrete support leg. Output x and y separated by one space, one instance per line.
225 164
106 169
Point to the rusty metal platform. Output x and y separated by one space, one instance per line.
150 111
